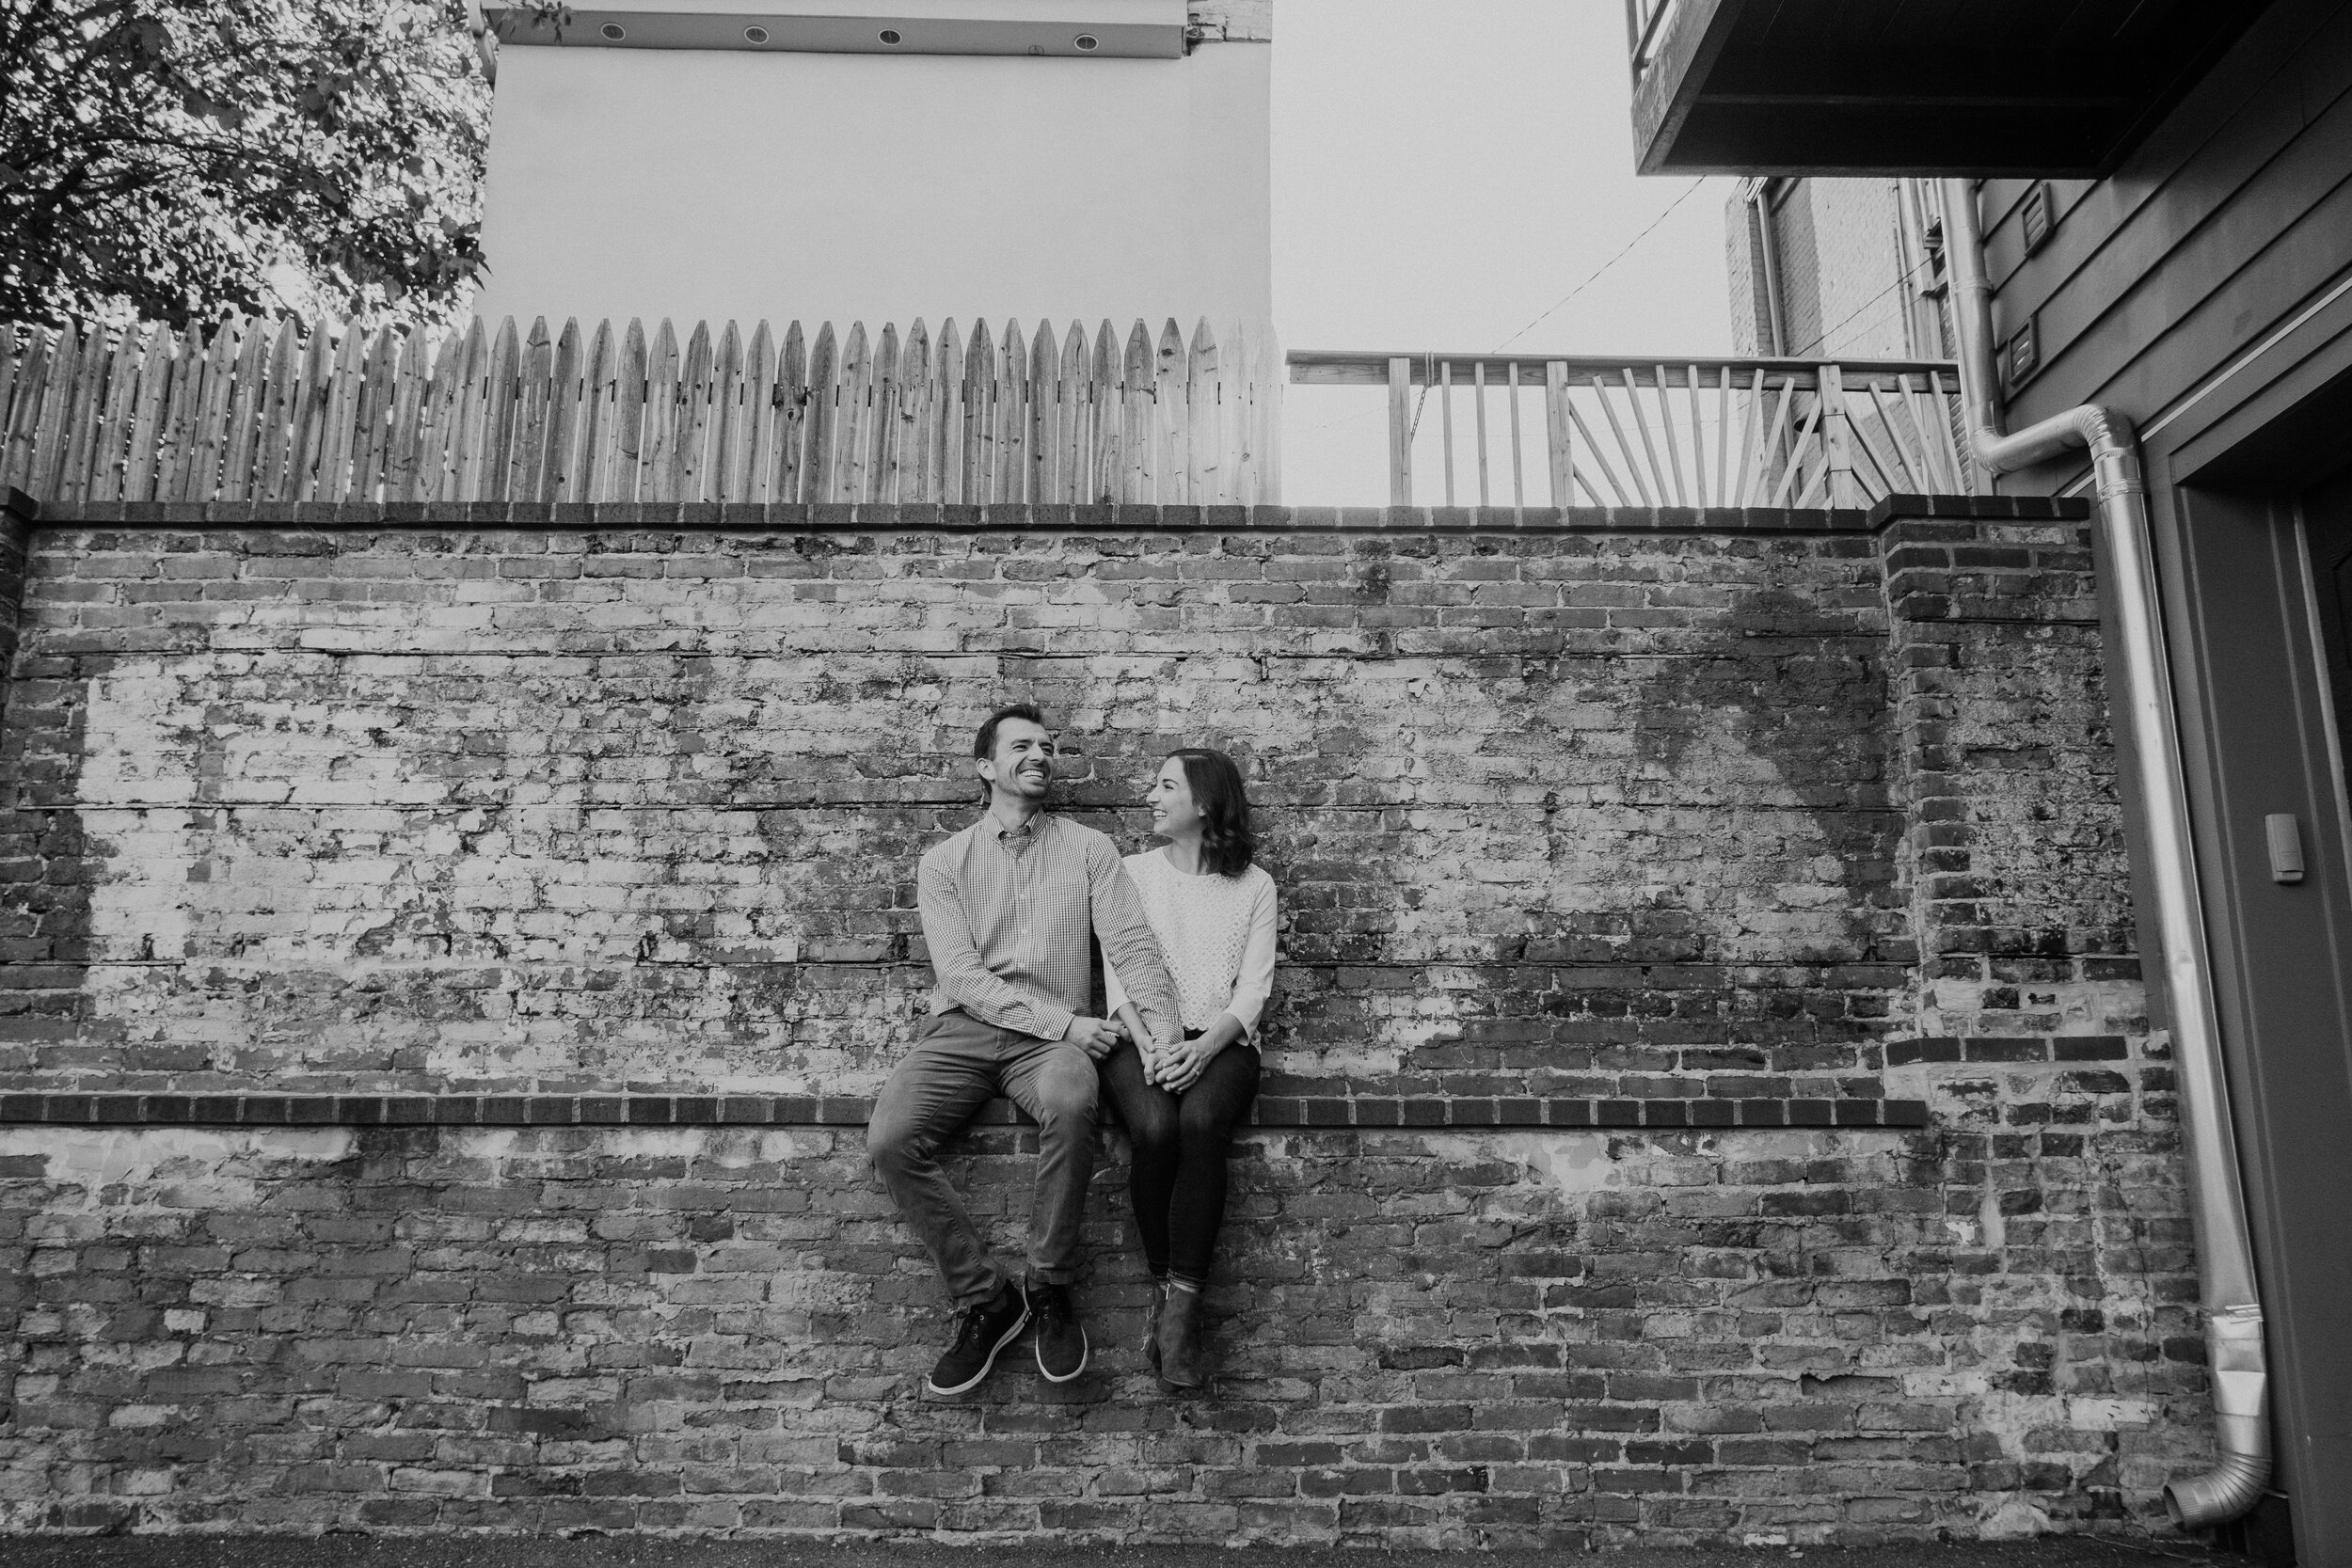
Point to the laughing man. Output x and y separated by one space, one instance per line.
1008 907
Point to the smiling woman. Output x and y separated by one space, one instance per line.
1211 911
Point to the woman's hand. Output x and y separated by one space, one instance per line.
1180 1063
1181 1068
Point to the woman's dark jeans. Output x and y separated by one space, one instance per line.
1176 1176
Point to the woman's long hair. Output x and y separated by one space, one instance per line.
1228 842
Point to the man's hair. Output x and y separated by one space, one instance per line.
1228 841
984 743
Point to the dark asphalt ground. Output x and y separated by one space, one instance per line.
344 1551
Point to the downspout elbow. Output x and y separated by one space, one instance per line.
2234 1343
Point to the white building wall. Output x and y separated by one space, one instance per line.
715 185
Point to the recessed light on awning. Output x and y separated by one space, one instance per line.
1104 29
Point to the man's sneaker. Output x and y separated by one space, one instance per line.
984 1330
1061 1339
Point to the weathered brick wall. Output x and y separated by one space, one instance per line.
1604 809
515 810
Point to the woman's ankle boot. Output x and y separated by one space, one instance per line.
1151 1322
1183 1357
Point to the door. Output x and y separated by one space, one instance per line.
2327 541
2257 610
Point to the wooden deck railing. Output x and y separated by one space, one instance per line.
1692 433
273 410
1644 21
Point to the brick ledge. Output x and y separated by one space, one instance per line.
53 1109
797 517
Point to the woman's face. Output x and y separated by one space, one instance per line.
1173 812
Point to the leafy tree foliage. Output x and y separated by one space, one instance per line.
170 158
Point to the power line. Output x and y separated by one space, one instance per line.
1855 315
1601 269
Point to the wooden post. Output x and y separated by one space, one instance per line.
1557 434
1400 431
1837 440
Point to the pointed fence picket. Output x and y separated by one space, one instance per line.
278 410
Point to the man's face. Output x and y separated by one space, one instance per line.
1022 765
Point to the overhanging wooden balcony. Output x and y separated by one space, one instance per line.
1990 88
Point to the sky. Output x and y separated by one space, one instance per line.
1445 173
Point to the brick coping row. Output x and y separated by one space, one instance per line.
68 1109
797 517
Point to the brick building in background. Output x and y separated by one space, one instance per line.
461 808
1843 268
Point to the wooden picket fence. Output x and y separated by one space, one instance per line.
272 410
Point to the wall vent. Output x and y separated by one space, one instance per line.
2022 356
2039 213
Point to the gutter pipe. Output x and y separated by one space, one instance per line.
2225 1259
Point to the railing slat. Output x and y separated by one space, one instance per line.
912 483
1798 448
1585 434
1625 447
145 455
1666 424
1485 496
1445 415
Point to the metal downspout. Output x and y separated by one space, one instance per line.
2225 1260
1768 254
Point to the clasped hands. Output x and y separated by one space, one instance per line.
1174 1065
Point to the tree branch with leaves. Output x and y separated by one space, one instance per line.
172 159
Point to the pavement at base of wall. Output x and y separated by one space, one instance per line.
477 1551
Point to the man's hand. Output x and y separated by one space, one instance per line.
1092 1035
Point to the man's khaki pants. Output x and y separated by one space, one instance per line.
958 1064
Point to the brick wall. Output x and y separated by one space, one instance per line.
1665 809
1840 268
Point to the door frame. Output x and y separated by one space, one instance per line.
2227 475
